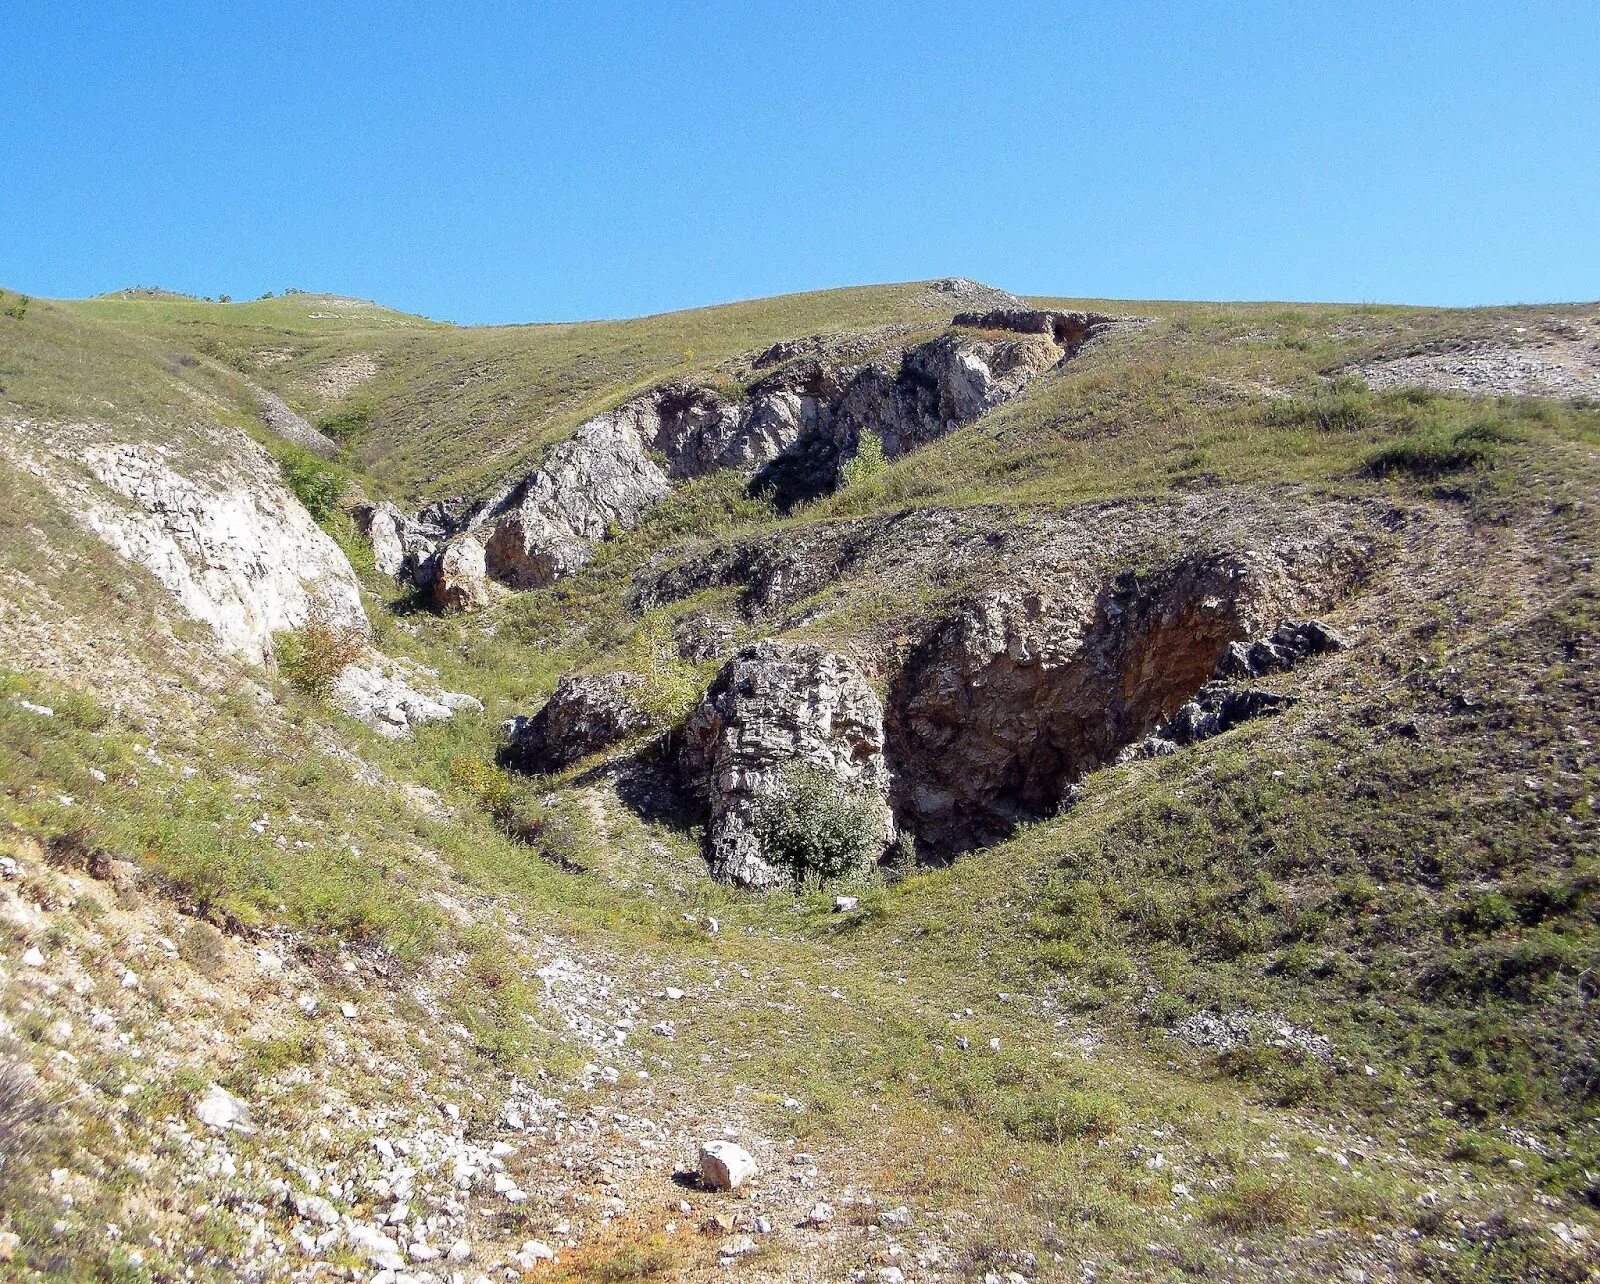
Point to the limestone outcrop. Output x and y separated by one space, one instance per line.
775 704
235 549
458 579
1007 704
795 428
401 546
585 714
393 697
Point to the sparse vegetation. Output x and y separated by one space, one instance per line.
1373 872
312 657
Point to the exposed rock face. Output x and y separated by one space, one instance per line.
1218 707
587 713
1221 706
963 289
932 390
459 581
285 423
401 546
599 479
797 426
1290 643
392 697
231 544
1069 330
703 636
773 704
1023 692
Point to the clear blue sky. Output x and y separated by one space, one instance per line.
481 162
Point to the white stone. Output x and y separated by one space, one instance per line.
379 1249
32 957
725 1165
844 904
221 1110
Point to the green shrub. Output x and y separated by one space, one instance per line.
1344 405
315 482
672 686
346 423
866 463
1256 1202
313 656
813 827
1059 1115
1436 452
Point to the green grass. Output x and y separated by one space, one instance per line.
1372 868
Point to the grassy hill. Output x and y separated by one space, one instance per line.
1314 996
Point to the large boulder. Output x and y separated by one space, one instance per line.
460 581
775 704
587 713
401 545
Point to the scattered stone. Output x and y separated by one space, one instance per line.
725 1165
844 904
221 1110
533 1252
32 957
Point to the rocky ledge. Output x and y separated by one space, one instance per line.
794 429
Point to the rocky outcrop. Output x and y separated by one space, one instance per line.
775 704
235 549
1220 705
587 713
601 479
796 427
284 422
1067 330
401 546
1289 644
1024 691
457 579
392 697
929 392
961 289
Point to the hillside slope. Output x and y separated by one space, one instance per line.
1192 707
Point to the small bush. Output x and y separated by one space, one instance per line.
517 814
1344 405
1256 1202
672 686
866 463
1061 1115
313 656
1437 452
22 1112
315 483
346 423
813 827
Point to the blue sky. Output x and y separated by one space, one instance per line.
480 162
